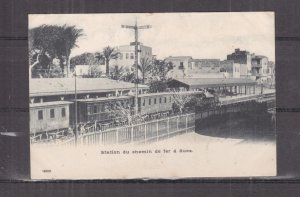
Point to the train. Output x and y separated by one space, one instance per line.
55 116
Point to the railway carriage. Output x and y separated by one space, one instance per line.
155 102
98 109
49 116
58 115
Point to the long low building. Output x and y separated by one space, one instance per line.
54 89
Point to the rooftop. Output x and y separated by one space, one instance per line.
168 93
206 60
60 86
104 98
54 103
259 57
178 57
216 82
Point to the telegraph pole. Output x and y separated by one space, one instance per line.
136 34
76 130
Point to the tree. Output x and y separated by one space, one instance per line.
180 100
42 50
128 76
160 69
84 59
121 110
54 42
41 67
107 54
117 73
159 78
55 72
66 42
145 67
157 86
94 72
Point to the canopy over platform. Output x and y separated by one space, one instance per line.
195 83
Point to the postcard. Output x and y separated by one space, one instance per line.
152 95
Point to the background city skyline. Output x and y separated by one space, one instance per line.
205 35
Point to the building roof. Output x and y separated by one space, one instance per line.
194 74
92 100
259 57
216 82
208 60
178 57
166 93
62 86
54 103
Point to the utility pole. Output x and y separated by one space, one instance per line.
76 130
136 35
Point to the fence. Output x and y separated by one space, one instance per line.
146 132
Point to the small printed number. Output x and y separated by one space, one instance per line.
46 171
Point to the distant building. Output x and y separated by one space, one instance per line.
259 66
204 66
82 70
271 73
241 57
235 70
181 64
186 66
127 55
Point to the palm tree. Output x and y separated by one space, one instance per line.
117 72
145 67
66 43
107 54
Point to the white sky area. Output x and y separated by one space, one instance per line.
200 35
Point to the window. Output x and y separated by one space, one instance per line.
127 56
170 99
102 108
63 112
89 110
95 109
181 66
144 102
40 115
149 101
52 115
165 99
131 56
154 100
160 100
121 56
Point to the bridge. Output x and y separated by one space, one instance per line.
264 102
268 96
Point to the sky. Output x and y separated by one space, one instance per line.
200 35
